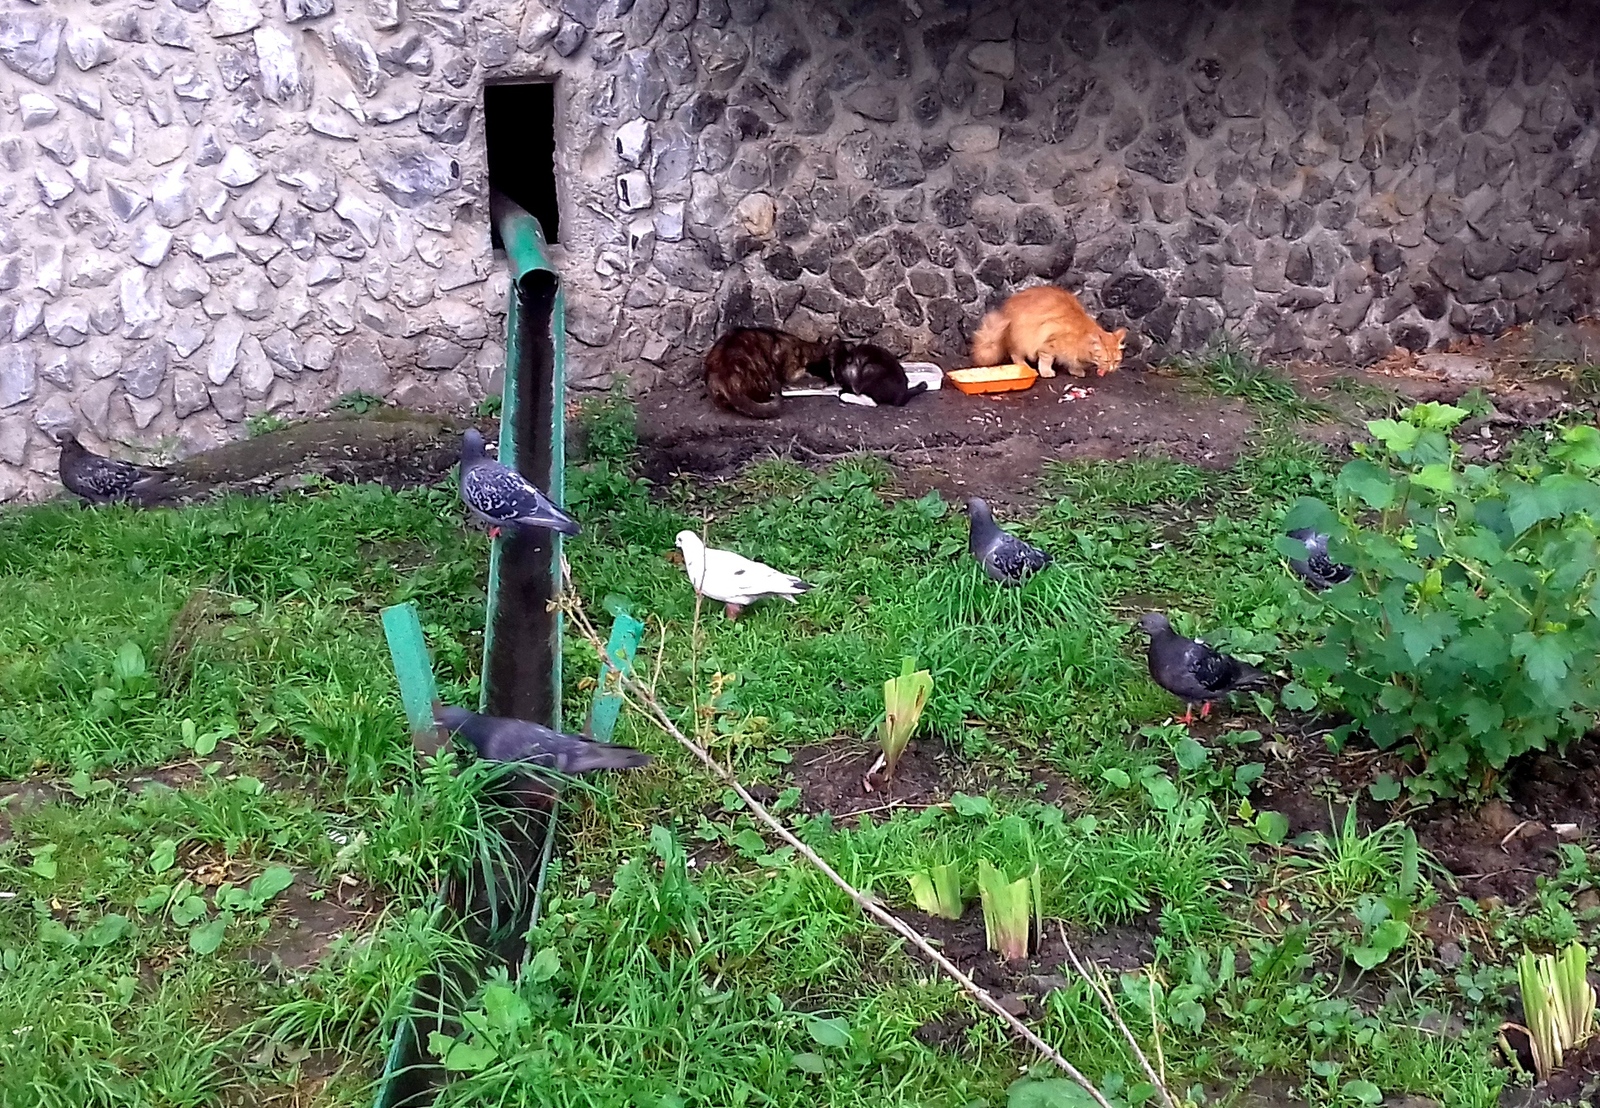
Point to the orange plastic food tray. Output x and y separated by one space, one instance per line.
993 378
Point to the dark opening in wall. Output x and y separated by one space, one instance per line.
520 123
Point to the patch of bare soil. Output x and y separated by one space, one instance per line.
831 775
995 445
962 445
391 446
307 920
1498 850
1022 985
1575 1083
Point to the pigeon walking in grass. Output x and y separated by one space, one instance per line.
501 497
497 739
1316 569
105 480
736 581
1004 557
1193 671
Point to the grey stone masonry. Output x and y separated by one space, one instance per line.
217 209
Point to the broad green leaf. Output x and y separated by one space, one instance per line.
1437 477
1308 512
1117 778
1580 447
1372 485
1297 698
1527 505
1273 827
189 909
272 881
1053 1092
832 1032
1393 434
164 856
807 1062
545 965
53 933
1363 1091
505 1010
44 862
1163 793
1190 754
1434 416
107 929
468 1058
130 662
205 938
750 843
1547 658
1385 788
970 805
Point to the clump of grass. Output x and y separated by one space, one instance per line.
1229 368
1131 484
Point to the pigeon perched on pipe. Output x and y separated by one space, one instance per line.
1192 671
498 495
1316 569
100 480
1004 557
519 742
734 580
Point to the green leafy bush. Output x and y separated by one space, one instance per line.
1471 631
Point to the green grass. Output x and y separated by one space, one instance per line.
1228 368
233 652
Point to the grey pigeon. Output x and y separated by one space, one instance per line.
497 739
1005 558
106 481
1191 670
501 497
1316 569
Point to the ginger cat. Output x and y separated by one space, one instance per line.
1047 325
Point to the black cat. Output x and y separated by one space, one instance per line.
872 371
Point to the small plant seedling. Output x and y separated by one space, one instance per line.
1007 910
1559 1003
904 697
937 891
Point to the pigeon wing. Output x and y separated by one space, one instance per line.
728 575
105 478
1015 559
500 494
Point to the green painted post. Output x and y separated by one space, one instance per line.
522 636
625 635
412 667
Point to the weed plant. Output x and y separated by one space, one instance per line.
1468 638
1227 367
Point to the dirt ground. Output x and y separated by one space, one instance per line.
996 445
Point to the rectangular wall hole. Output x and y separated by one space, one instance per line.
520 125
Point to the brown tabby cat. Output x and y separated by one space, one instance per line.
747 369
1047 325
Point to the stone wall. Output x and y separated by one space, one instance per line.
213 209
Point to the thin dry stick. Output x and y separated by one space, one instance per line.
646 702
1110 1005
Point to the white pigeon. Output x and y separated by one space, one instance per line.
736 581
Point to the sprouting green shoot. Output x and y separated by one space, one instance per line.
1007 908
904 697
937 891
1558 1003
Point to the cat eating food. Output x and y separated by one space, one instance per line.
872 371
747 369
1045 326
